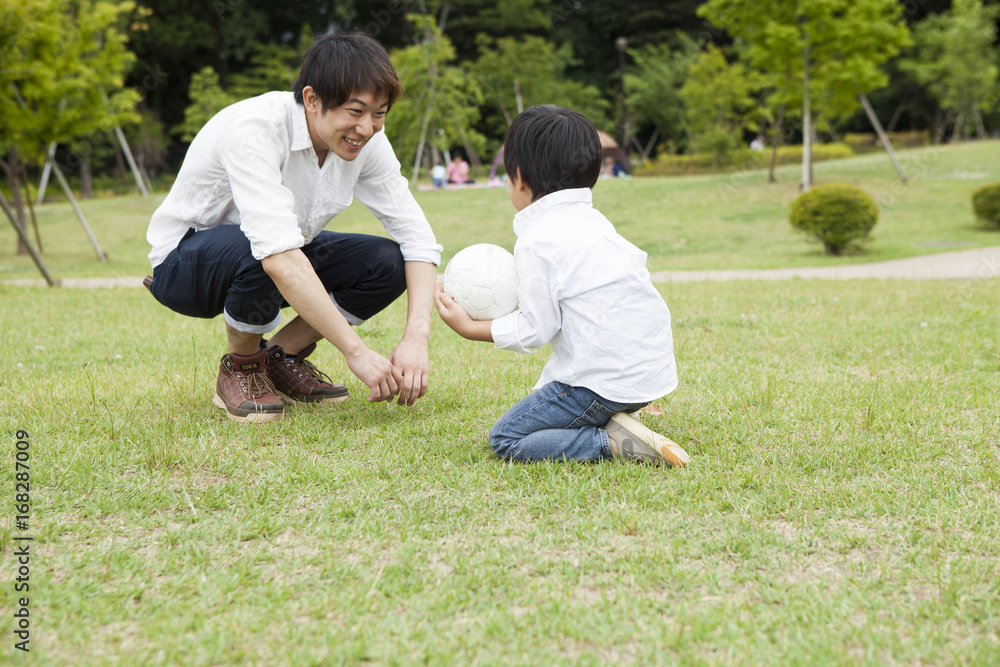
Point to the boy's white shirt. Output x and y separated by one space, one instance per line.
585 290
253 164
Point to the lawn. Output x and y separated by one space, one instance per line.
842 504
734 221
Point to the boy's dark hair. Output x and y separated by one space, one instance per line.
344 64
552 149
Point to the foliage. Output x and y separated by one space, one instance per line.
986 204
207 99
653 86
441 100
718 100
272 67
62 68
869 141
837 215
955 58
519 73
742 158
837 46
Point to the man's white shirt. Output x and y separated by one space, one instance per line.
253 165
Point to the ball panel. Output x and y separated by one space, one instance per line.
483 278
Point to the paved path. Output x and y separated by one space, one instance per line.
976 264
979 264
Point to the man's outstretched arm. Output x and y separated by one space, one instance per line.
295 278
410 356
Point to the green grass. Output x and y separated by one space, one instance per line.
842 505
703 222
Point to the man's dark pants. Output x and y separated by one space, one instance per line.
213 271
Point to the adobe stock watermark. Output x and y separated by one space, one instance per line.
379 19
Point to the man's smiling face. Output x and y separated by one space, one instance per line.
344 129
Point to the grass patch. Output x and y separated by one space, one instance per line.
732 221
840 506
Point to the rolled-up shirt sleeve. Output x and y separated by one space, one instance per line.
252 153
385 191
538 318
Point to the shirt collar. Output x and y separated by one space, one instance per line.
300 139
541 207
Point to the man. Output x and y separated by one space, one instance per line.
241 234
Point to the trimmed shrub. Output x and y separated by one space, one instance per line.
986 204
743 159
836 215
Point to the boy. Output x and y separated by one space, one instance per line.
241 234
585 290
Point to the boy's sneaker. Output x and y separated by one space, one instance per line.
630 439
244 391
297 379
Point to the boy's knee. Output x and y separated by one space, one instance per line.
502 446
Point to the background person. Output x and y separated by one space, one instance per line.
458 171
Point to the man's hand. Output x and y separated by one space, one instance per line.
410 357
381 377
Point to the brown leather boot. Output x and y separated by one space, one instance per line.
297 379
244 391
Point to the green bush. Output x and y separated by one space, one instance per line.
869 142
743 159
986 204
837 215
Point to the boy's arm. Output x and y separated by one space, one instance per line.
455 317
298 283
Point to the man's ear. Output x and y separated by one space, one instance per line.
311 100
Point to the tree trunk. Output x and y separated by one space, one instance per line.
873 118
86 178
806 119
895 116
778 127
956 133
26 183
980 127
652 142
12 170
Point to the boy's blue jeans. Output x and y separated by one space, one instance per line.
557 422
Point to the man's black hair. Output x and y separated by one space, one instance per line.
344 64
551 148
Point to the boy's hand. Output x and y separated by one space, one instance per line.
456 317
450 310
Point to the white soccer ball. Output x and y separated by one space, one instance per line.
483 279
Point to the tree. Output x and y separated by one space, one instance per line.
62 66
521 73
653 86
207 99
955 60
272 67
441 99
718 99
830 50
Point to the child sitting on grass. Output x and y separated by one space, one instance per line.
586 291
